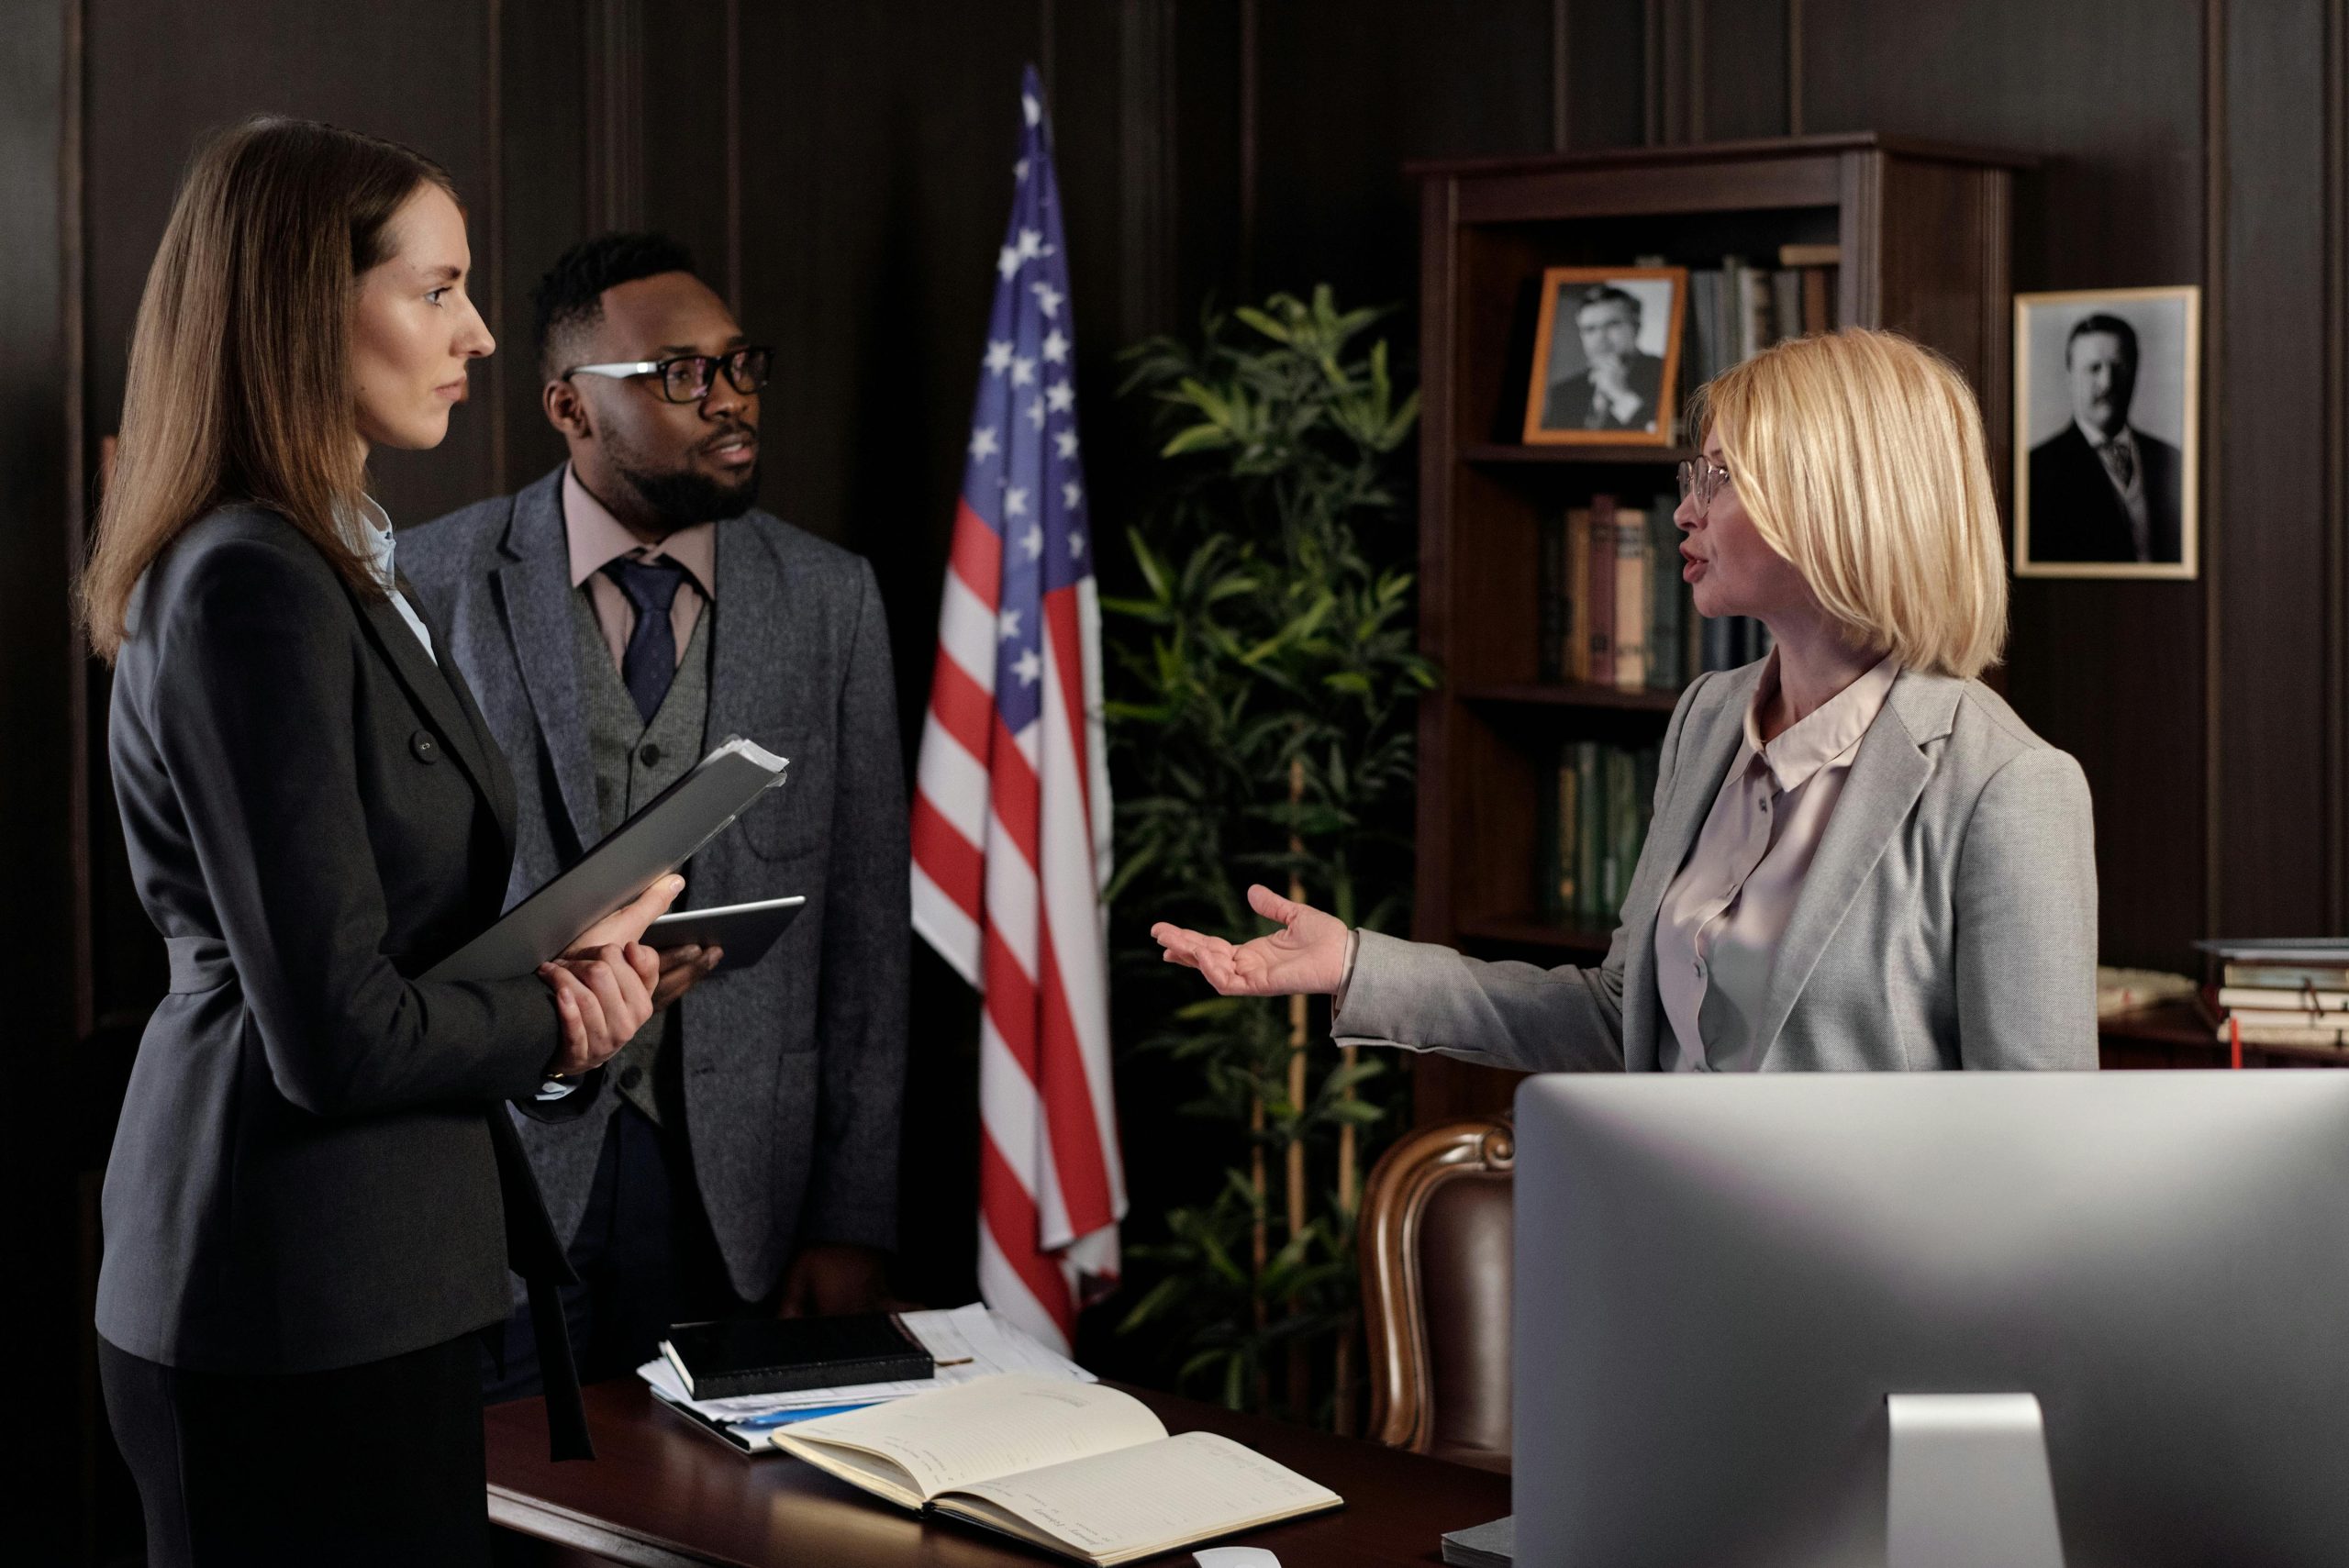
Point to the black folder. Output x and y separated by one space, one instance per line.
783 1355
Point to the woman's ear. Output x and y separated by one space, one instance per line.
565 409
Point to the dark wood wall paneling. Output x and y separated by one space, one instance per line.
843 173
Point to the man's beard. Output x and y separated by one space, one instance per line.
681 497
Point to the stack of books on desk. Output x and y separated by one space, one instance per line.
2284 993
965 1343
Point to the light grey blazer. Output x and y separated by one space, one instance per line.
1948 919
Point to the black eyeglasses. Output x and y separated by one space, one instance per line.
689 377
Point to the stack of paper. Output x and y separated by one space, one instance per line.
967 1342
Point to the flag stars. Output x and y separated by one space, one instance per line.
1036 413
1023 372
1031 245
1032 541
1031 108
1015 502
1072 496
1027 667
1048 299
983 443
1006 625
1019 170
1056 347
1066 442
1076 544
1060 397
1007 261
999 356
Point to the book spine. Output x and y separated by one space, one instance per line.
1715 633
1549 850
1568 829
1575 659
2292 976
1786 304
1631 600
1549 645
2288 1019
1665 671
1702 350
1753 331
2307 1000
1622 825
1816 316
2336 1036
1589 829
1600 601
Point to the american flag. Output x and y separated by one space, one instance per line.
1012 804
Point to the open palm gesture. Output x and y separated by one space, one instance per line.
1307 955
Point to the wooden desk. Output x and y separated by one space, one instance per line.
660 1495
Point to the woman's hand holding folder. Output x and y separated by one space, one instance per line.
603 986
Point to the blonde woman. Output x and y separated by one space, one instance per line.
1861 859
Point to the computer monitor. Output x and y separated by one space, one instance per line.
1720 1281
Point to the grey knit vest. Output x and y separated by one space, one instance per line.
634 761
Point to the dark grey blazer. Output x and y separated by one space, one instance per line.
794 1068
1948 918
306 1175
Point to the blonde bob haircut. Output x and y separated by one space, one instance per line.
1859 456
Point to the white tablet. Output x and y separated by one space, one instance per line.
744 930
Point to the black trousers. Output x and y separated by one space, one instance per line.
645 1258
379 1464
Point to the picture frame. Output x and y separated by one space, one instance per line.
1608 373
2107 433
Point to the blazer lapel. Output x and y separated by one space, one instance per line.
752 602
1886 779
1705 757
501 778
536 589
396 640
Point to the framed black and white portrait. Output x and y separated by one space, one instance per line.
2107 432
1605 356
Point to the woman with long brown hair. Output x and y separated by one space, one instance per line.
313 1192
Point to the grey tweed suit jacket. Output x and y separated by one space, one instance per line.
1948 918
794 1068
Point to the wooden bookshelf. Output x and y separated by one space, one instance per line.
1923 232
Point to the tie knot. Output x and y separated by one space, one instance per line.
650 585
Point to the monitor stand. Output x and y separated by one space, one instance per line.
1967 1485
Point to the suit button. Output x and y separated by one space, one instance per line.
650 756
631 1076
426 749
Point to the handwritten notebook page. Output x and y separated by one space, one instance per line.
1111 1507
997 1426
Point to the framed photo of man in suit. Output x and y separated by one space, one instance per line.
2107 433
1605 356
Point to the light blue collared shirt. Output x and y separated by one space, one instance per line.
376 528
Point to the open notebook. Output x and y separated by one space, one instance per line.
1071 1467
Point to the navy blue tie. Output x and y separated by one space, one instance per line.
651 661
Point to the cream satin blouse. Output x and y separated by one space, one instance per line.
1717 929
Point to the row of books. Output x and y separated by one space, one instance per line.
2285 993
1613 610
1595 802
1737 310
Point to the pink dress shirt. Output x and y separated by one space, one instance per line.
1717 929
597 538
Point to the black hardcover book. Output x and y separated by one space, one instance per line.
783 1355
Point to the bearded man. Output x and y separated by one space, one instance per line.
620 618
